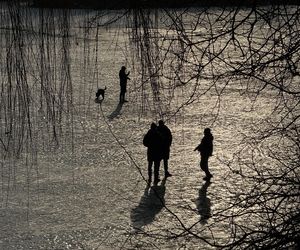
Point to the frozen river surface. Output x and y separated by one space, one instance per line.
88 190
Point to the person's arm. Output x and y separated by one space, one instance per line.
199 147
146 140
170 137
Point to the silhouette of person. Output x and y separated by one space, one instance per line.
206 149
153 140
203 203
151 203
166 144
123 83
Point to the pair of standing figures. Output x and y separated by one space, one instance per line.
158 141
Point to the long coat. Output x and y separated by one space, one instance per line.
206 146
123 80
167 140
153 141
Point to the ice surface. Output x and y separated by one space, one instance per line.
86 189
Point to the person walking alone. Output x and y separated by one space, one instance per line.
206 149
123 83
166 144
153 140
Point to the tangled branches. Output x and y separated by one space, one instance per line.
257 51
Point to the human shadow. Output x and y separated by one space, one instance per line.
149 206
116 112
203 203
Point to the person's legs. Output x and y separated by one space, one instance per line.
166 154
122 92
167 174
150 171
156 172
121 97
204 166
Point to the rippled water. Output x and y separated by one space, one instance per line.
87 192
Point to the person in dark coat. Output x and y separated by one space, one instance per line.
152 140
206 149
123 83
166 144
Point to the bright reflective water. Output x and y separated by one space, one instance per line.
78 183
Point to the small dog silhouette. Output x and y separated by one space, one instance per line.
100 92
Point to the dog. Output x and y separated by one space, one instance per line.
100 92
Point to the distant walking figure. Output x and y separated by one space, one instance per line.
166 144
152 140
206 149
123 83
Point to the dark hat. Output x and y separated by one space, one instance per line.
153 125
